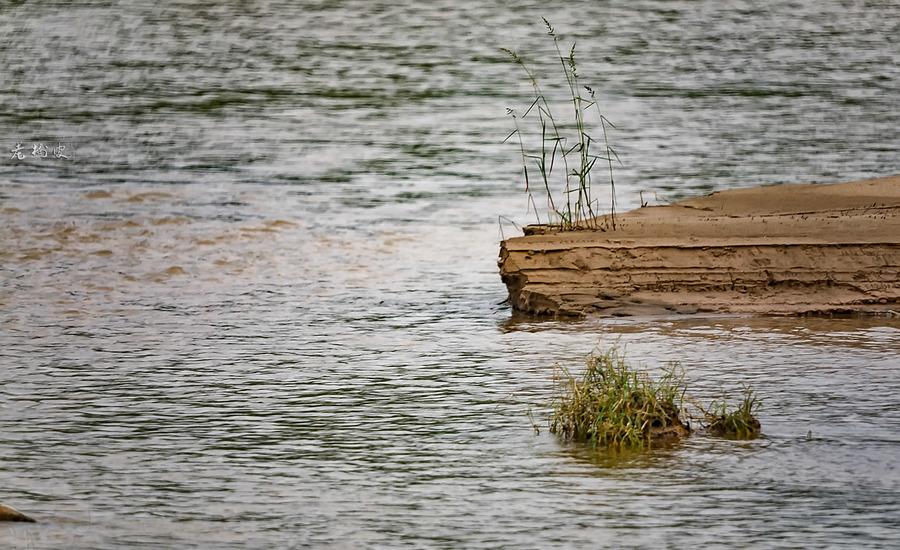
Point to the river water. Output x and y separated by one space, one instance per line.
258 304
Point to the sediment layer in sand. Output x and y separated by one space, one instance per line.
780 249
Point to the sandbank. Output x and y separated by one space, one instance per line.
778 249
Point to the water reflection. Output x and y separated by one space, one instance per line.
608 462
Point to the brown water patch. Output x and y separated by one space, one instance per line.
222 262
90 238
162 276
232 267
149 195
37 253
98 194
280 223
103 252
208 242
60 233
116 225
215 239
170 220
257 230
11 210
101 288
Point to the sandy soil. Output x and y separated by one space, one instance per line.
780 249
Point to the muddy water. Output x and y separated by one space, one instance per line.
258 304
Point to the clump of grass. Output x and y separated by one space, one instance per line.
740 423
613 404
576 153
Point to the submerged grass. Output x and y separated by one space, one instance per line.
740 423
569 147
612 404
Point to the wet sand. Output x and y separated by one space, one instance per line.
779 249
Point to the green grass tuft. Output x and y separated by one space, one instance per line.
613 404
740 423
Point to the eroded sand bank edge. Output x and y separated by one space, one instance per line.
777 249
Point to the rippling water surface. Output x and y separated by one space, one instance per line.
258 305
